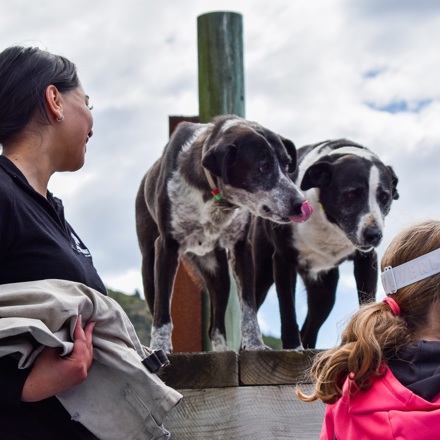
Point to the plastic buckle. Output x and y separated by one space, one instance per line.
155 361
388 280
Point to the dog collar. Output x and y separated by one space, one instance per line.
393 278
214 190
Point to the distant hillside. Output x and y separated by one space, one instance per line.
137 310
272 342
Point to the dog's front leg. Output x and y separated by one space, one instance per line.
165 268
285 281
321 295
214 269
243 270
365 274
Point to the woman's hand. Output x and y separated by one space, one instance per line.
52 374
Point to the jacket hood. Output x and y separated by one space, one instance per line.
387 394
418 368
388 411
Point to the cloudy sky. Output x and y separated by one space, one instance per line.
367 70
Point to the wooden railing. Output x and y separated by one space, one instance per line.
250 395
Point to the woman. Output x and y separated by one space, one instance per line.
383 379
45 124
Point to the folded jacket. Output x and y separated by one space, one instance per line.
120 398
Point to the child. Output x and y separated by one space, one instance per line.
383 379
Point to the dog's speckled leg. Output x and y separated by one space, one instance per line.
251 338
161 338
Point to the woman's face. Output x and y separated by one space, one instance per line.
76 130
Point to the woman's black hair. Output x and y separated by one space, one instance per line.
25 74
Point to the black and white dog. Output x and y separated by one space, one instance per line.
196 203
351 191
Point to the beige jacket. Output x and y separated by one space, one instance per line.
120 399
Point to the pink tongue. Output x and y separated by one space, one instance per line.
306 212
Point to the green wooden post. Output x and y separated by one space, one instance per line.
220 53
221 91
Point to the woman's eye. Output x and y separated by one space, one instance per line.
89 106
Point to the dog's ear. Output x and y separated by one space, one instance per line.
394 180
318 175
291 149
219 158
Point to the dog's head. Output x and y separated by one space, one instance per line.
251 164
355 191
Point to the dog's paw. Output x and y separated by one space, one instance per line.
218 342
255 343
250 347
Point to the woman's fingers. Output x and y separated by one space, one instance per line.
52 374
84 334
82 344
88 332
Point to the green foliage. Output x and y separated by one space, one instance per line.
137 310
272 342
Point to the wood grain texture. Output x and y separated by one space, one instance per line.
275 367
201 370
245 413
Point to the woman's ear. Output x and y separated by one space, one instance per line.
54 102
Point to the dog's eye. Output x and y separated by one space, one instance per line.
351 196
264 167
291 168
384 197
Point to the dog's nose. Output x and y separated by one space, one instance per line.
295 207
301 211
372 235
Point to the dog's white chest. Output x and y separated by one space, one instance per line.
321 245
201 226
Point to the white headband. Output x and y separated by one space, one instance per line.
410 272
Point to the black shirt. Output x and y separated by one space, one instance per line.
36 243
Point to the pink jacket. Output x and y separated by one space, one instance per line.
388 410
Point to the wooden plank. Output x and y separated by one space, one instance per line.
175 120
272 367
201 370
246 413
